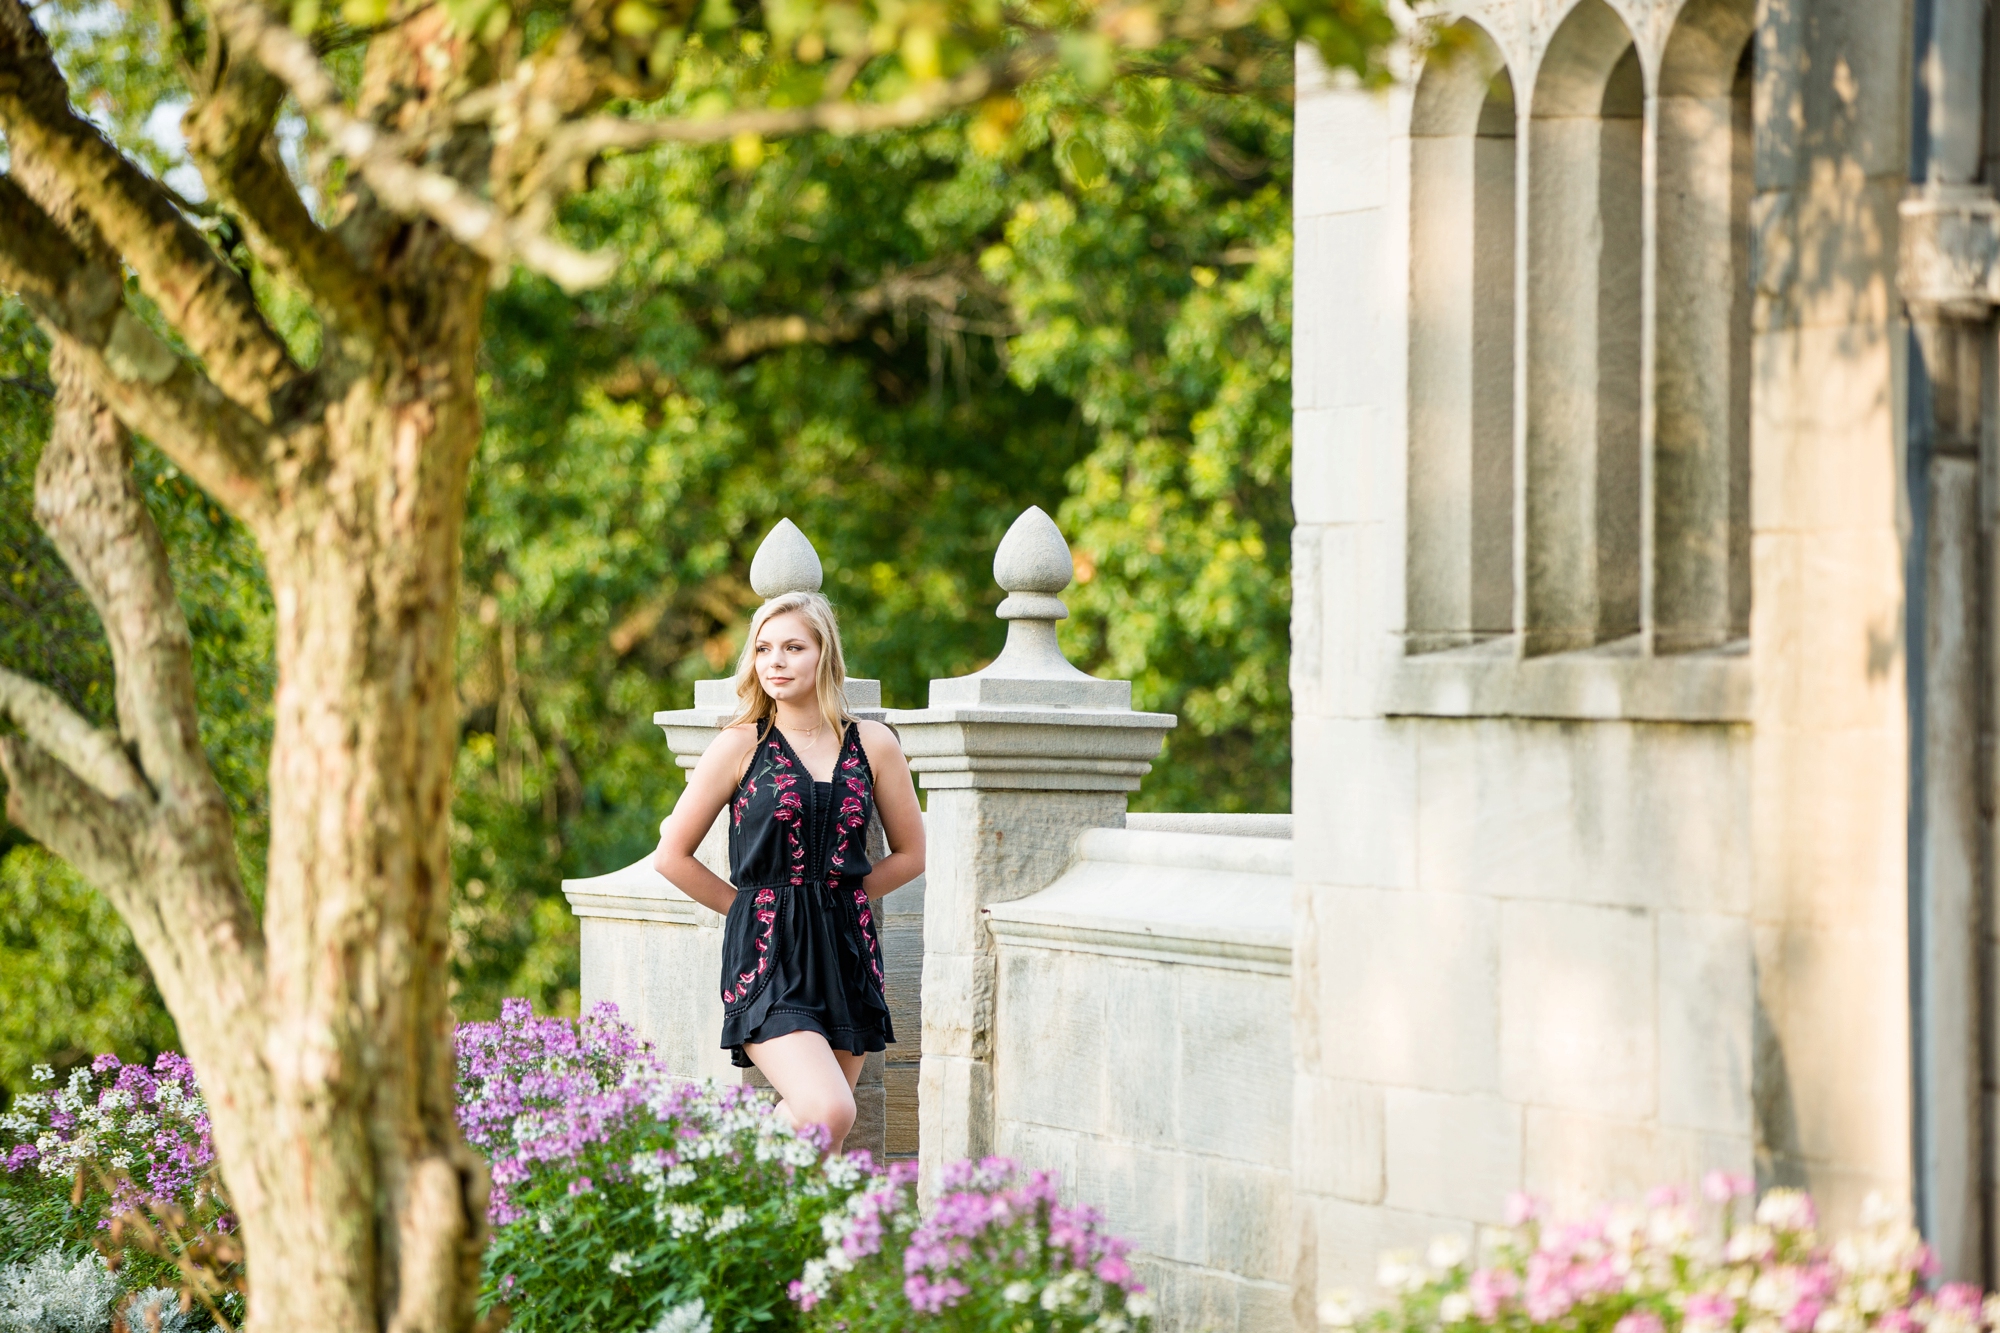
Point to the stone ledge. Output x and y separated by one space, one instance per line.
1030 749
1247 855
636 893
1234 826
1193 899
1612 683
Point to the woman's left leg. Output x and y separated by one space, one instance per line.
814 1081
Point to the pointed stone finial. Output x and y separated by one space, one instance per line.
1033 564
785 562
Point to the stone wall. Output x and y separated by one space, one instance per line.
1140 1048
1594 892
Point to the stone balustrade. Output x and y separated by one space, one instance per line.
1085 990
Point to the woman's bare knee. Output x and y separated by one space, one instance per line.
832 1107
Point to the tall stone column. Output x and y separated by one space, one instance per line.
1017 760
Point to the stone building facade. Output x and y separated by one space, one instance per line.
1641 615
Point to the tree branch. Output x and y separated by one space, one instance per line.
88 502
202 296
158 838
384 160
585 139
229 136
937 289
68 737
68 815
81 298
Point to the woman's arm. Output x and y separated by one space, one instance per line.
902 817
709 788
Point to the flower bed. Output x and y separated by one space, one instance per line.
623 1199
116 1161
1674 1267
998 1250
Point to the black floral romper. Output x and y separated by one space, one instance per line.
800 951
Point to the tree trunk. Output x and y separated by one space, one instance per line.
324 1042
371 1211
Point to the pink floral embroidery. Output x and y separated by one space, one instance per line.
852 813
865 918
766 906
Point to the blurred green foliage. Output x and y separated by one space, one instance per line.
1078 299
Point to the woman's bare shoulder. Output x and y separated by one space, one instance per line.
878 739
734 742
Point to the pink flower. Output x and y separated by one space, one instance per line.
1958 1298
1640 1321
1521 1208
1548 1296
1663 1196
1490 1289
581 1185
1708 1310
1722 1186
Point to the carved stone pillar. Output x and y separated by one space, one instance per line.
1017 760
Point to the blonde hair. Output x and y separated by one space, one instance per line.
757 705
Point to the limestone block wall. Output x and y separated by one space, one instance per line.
1141 1047
1601 866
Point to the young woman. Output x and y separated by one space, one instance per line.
801 950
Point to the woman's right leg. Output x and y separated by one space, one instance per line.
813 1083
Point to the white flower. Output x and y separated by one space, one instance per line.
1139 1306
1337 1310
1786 1210
543 1224
689 1318
817 1277
732 1218
1017 1291
1398 1271
1446 1251
1455 1308
44 1073
1109 1322
685 1219
621 1263
1065 1290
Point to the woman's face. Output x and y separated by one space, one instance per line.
788 659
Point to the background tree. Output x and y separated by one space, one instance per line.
327 402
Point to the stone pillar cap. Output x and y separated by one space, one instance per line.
1033 564
785 562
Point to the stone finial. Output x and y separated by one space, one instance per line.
786 562
1033 564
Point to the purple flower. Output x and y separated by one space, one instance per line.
22 1155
